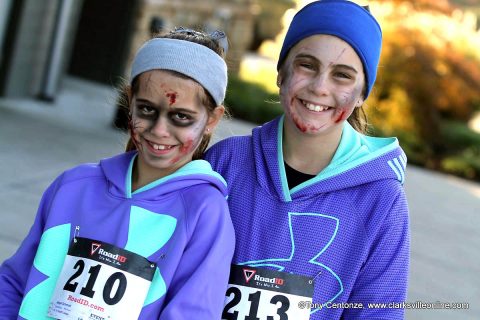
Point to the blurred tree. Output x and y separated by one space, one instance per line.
429 76
428 83
267 22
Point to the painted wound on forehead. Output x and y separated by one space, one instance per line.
147 82
172 96
152 87
340 54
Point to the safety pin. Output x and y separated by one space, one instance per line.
311 281
76 233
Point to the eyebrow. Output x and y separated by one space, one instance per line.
171 108
309 56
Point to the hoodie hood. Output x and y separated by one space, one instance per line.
118 172
351 164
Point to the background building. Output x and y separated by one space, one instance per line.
42 41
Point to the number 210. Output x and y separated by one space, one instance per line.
88 289
254 298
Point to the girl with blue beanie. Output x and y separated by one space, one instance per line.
319 208
145 234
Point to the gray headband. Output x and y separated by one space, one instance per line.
189 58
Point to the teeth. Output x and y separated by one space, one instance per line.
160 146
316 108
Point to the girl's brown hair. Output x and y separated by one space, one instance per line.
358 120
207 100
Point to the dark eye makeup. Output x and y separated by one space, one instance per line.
177 118
181 119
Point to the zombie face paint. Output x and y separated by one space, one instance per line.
320 84
168 121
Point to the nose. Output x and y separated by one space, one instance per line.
319 85
160 127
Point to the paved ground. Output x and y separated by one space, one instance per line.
40 140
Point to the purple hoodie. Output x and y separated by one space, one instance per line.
347 228
180 223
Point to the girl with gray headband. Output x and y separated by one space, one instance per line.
145 234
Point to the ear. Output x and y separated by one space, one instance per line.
214 118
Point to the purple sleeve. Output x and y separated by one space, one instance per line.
14 271
384 276
198 287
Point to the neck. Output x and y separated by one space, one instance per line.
309 154
143 174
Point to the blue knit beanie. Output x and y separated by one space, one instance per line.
345 20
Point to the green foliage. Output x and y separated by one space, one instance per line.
458 136
463 148
251 101
465 164
428 85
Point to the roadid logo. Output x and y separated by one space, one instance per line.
248 274
94 248
97 247
277 281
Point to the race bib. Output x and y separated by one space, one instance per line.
101 281
262 294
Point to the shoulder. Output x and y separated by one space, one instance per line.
81 172
203 196
231 143
381 205
237 146
63 184
228 152
380 195
204 202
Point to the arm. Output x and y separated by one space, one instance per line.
14 271
198 287
384 276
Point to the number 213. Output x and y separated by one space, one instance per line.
254 299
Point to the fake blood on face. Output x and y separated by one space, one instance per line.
172 96
131 129
300 126
183 150
341 117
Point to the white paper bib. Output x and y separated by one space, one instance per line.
263 294
100 281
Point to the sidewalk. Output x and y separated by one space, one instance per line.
39 140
